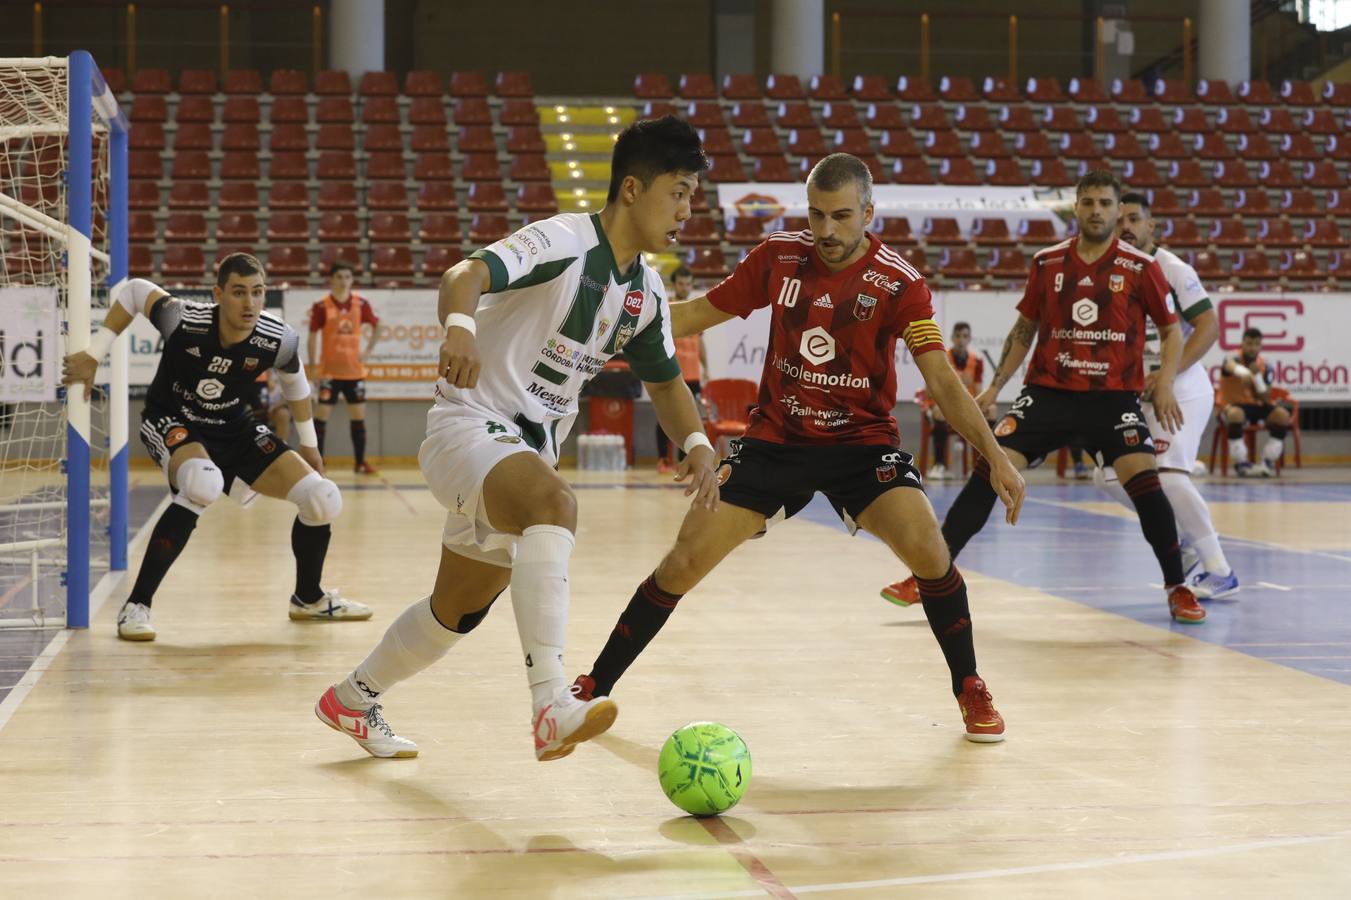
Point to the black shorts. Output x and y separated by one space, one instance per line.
1042 420
778 480
1256 412
242 451
352 390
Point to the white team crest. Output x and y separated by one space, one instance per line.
623 335
1084 311
1117 283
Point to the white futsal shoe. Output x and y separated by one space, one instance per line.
567 720
133 622
331 606
365 726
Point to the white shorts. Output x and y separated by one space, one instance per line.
460 450
1179 450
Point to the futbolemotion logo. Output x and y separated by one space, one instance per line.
1084 311
210 389
818 346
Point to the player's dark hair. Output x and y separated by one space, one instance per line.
839 169
341 265
1098 178
961 326
1137 197
241 264
681 272
1252 333
655 147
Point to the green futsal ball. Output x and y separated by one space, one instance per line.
704 768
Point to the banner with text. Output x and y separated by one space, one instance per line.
30 338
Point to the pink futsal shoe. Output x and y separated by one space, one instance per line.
567 720
367 727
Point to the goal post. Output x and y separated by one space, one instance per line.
63 233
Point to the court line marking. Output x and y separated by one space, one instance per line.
97 597
1099 863
1274 587
725 835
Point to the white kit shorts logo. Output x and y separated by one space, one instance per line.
1084 311
818 346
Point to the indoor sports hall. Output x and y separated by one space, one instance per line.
391 139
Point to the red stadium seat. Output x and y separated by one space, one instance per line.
389 227
1182 173
336 164
481 167
386 166
468 84
698 86
485 196
943 143
1017 118
1256 93
187 226
740 87
1337 93
771 169
1211 146
1339 264
337 195
750 114
291 262
989 144
280 195
1060 118
706 262
1298 203
1148 119
850 140
894 231
472 111
335 110
141 227
871 88
717 141
1004 172
1339 147
1256 147
914 90
1008 262
288 110
288 137
1050 173
970 117
151 81
197 81
516 111
1234 120
1086 90
422 83
477 139
332 83
1168 145
439 195
1078 145
1103 120
386 195
391 262
1253 202
927 117
1229 233
898 142
1252 265
338 226
1277 233
705 114
1164 203
195 109
910 170
116 79
699 231
1129 90
186 261
960 263
386 137
529 167
882 116
1277 121
435 166
725 168
288 82
333 253
1123 145
380 110
426 111
1300 265
335 137
940 230
991 232
1181 233
193 165
1322 233
999 90
652 86
536 197
1207 264
1172 90
150 136
438 260
827 87
1235 173
1321 121
1045 90
238 227
957 89
1322 175
378 84
740 230
794 115
1032 145
1190 120
145 195
840 114
1207 202
802 142
784 87
1214 92
1277 173
513 83
917 258
240 109
958 171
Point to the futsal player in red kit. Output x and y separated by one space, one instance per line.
840 301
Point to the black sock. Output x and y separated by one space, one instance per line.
940 439
359 440
1234 430
167 541
646 613
309 543
320 427
1278 431
971 508
950 619
1157 522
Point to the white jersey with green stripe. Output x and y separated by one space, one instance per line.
556 311
1192 300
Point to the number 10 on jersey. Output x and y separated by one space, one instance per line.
788 293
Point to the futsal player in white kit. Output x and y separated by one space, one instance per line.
529 320
1209 574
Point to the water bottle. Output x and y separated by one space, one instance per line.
621 454
583 452
609 457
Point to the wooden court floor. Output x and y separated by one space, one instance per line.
1140 760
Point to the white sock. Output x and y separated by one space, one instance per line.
1272 450
412 642
1109 484
1193 520
1238 450
539 597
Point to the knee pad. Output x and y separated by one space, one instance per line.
1235 430
1278 431
200 482
317 499
469 621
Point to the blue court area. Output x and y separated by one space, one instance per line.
1294 608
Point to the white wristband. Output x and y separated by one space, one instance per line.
696 439
460 320
101 343
308 436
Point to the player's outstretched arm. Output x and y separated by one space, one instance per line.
131 297
1016 345
695 316
679 417
461 287
1166 409
964 414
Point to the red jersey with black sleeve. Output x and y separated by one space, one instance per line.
1091 317
830 365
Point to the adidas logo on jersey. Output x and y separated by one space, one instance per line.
823 301
193 351
1085 282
